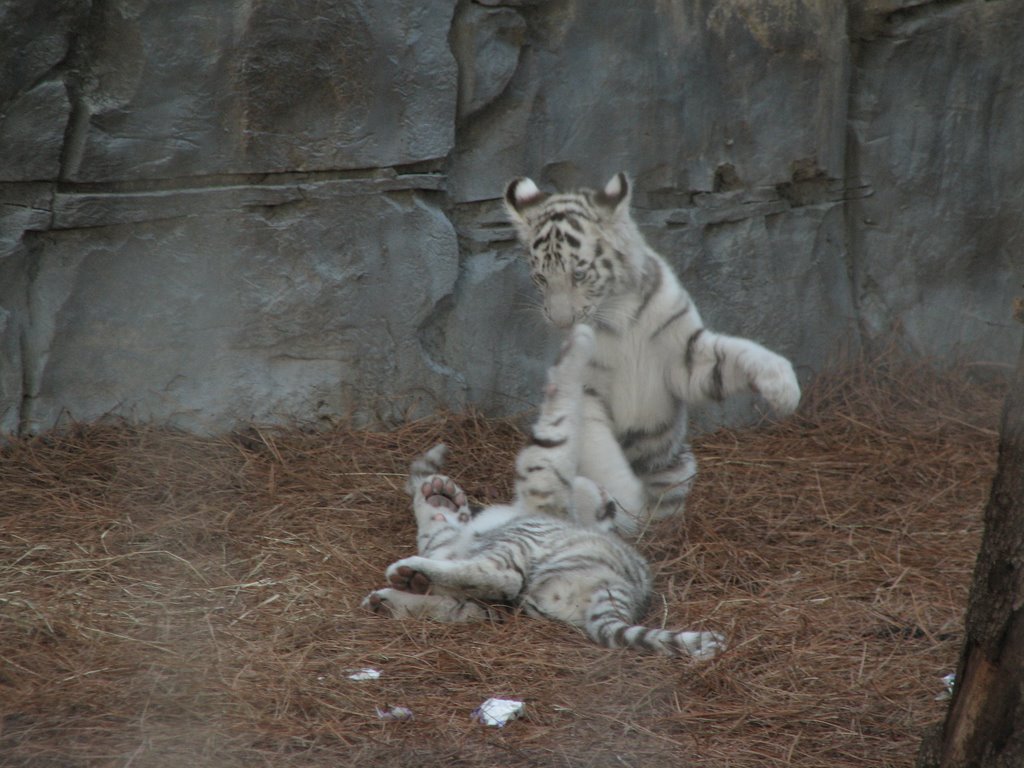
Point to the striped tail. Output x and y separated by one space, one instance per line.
607 624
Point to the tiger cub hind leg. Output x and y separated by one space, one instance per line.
442 514
399 604
485 577
441 493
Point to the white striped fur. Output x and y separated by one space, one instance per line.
532 553
654 355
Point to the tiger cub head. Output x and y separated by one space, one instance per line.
579 245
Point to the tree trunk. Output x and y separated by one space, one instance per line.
985 723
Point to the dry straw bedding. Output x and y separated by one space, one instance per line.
172 600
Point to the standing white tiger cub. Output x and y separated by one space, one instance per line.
654 355
532 553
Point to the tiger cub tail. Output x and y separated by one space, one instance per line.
608 625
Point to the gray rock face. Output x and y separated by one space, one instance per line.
34 154
218 213
194 88
939 125
294 310
486 43
673 94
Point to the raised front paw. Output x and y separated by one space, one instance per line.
405 576
581 341
566 373
776 382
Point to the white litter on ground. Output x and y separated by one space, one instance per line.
949 681
365 674
397 714
498 711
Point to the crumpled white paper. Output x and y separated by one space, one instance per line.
498 711
395 713
365 674
949 681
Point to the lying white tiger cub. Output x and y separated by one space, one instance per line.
531 553
654 356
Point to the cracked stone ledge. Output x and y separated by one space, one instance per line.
82 209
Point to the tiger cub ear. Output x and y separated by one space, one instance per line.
615 192
522 193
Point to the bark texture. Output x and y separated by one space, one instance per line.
985 723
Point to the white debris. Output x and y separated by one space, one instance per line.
365 674
498 711
398 714
949 681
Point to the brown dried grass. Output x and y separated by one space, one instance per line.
167 599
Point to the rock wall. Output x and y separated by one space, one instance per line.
213 213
